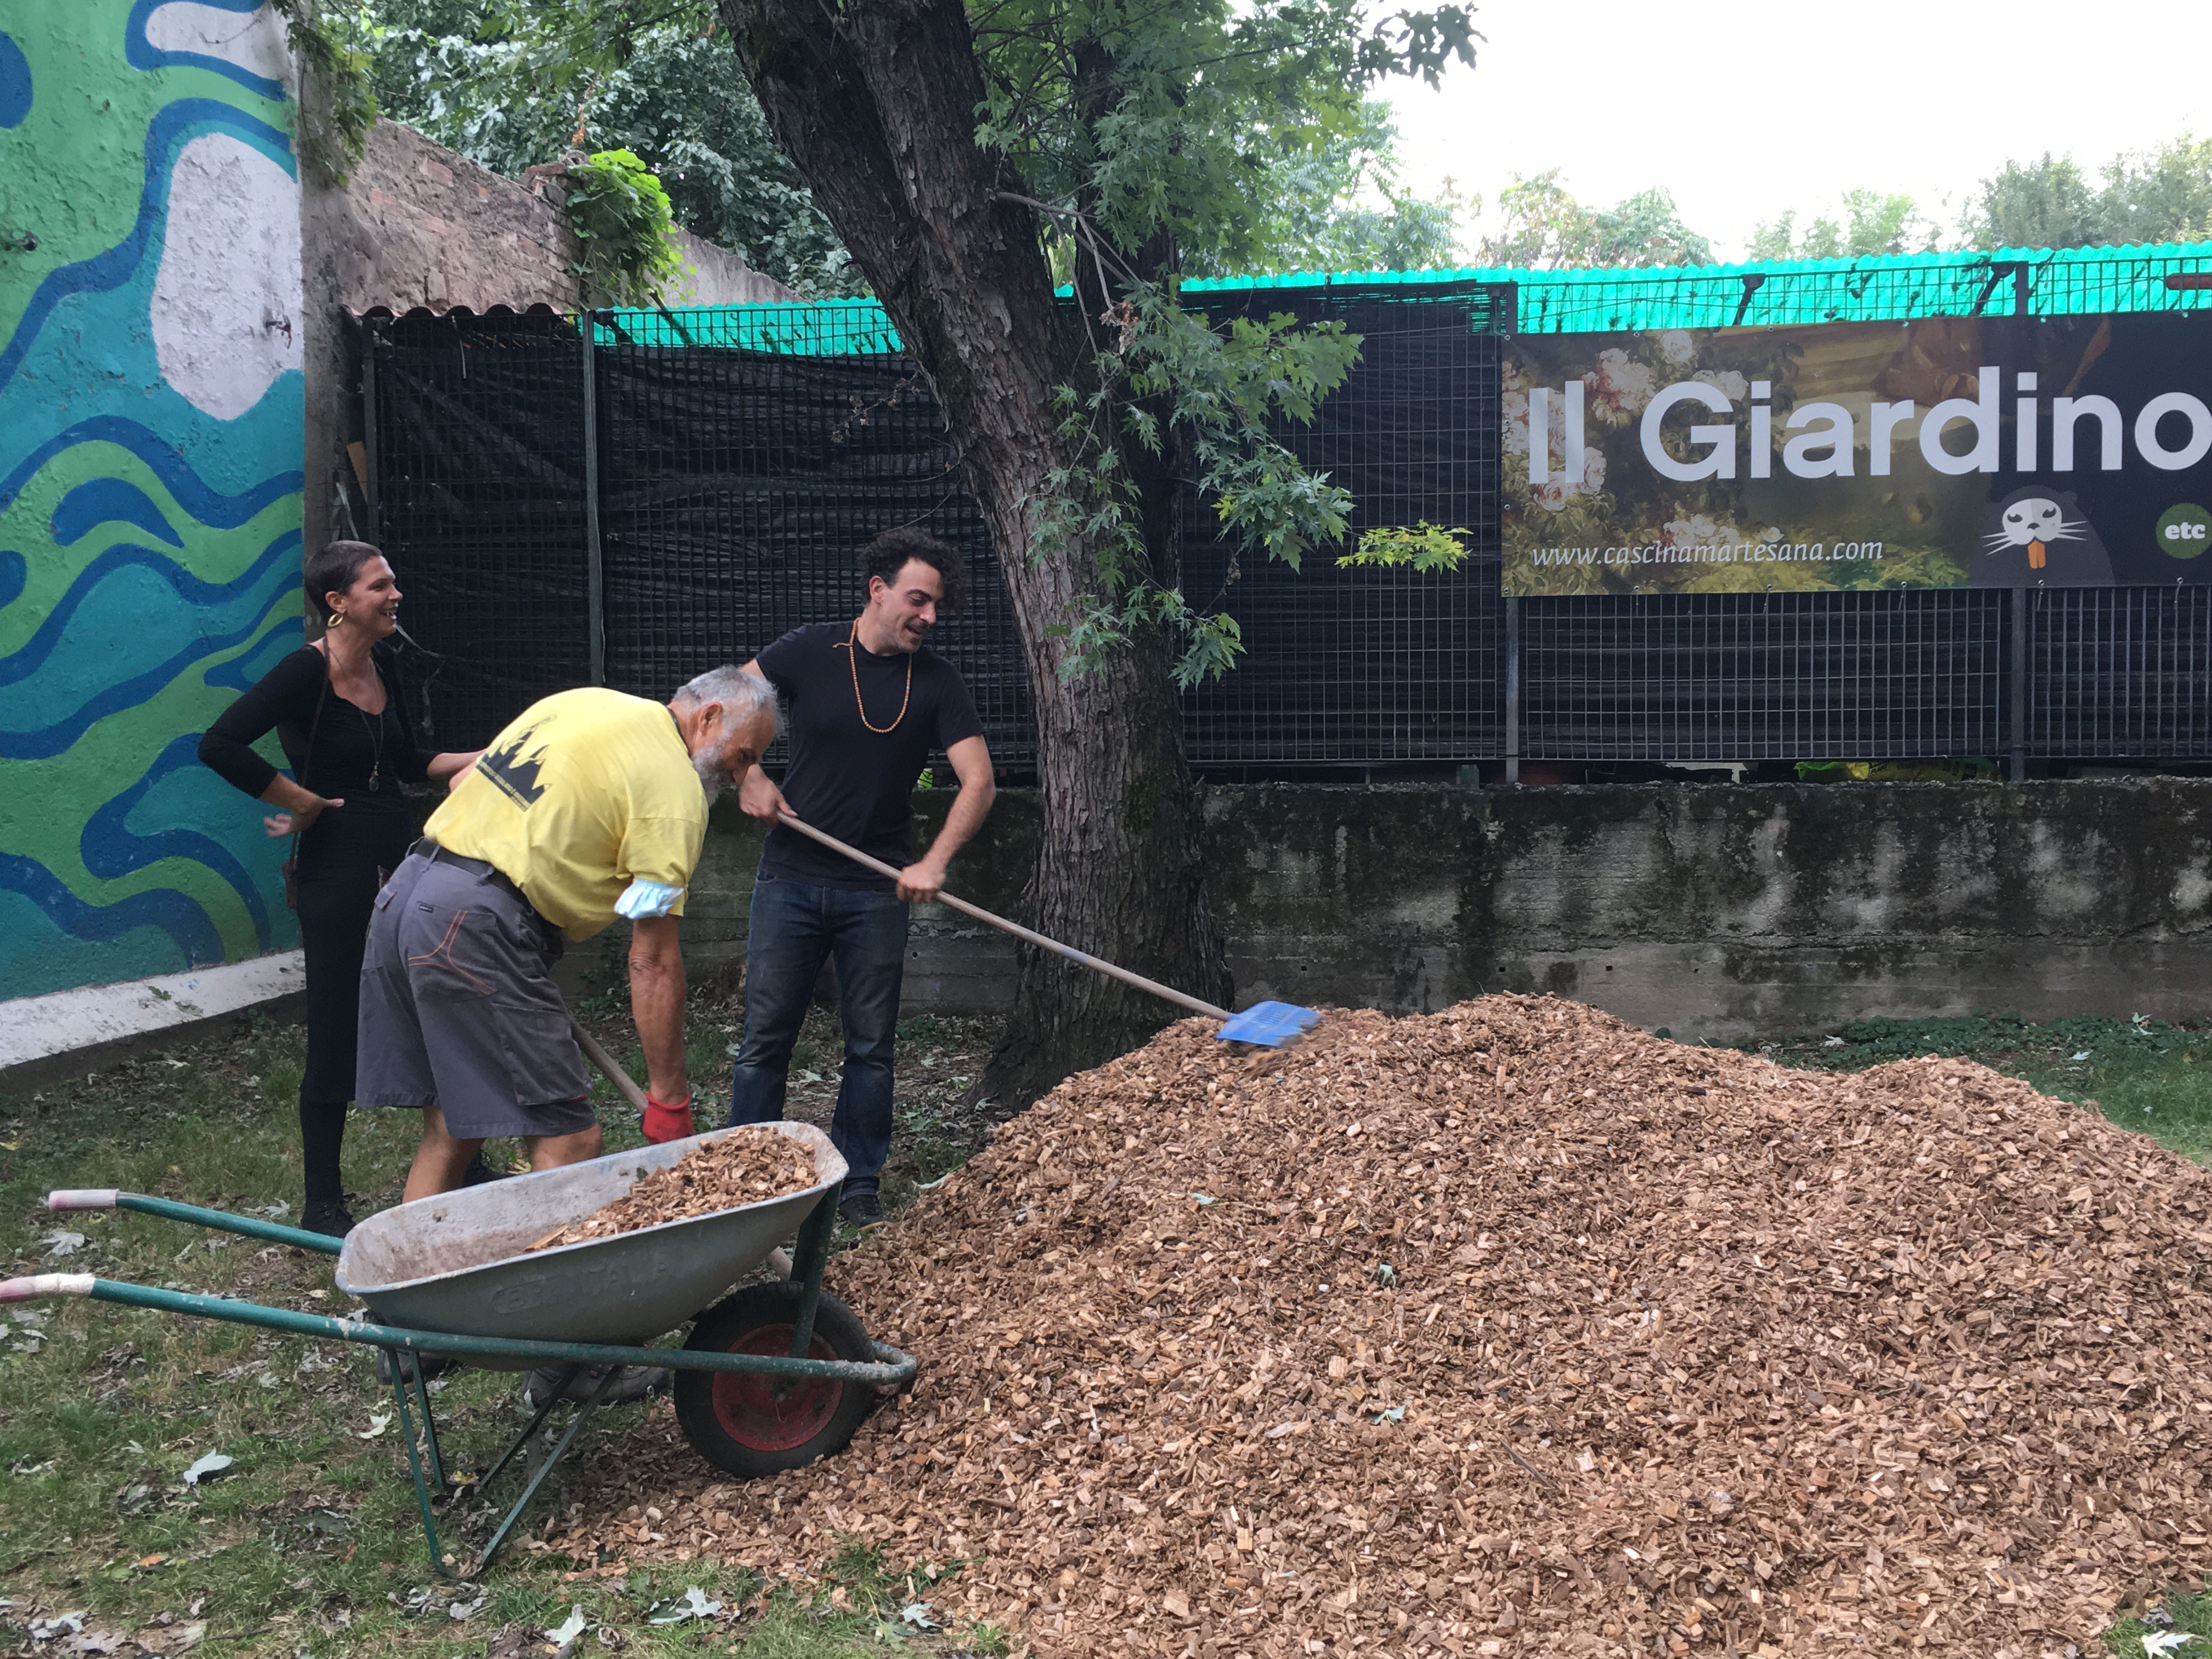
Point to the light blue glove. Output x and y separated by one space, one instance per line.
641 899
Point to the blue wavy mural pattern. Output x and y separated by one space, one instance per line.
116 266
15 84
138 579
179 792
193 494
174 914
148 550
143 54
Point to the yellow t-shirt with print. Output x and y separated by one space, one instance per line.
586 792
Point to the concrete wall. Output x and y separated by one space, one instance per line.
715 276
1711 909
150 400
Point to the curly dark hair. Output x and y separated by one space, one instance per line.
887 555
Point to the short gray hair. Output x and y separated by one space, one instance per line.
742 695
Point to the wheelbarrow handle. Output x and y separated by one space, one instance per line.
107 1198
38 1286
891 1368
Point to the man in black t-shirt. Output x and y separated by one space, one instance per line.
865 703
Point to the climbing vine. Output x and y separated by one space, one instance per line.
326 38
620 215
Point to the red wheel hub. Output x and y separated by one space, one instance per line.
775 1414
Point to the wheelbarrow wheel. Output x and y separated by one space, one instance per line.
749 1424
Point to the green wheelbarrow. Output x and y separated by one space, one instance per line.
771 1376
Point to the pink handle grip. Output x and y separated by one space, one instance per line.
38 1285
83 1198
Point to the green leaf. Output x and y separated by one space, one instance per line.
1425 547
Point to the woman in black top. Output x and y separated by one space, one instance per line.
335 706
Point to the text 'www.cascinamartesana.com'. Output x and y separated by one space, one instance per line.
1712 553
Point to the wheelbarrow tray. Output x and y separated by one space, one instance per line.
456 1262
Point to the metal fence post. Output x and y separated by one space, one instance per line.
369 489
2020 597
1505 323
1512 691
594 572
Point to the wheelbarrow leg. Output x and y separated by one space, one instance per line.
429 1428
399 1385
568 1375
568 1437
807 1264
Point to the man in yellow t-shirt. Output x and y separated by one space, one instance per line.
591 805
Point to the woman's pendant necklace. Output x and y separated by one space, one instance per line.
376 759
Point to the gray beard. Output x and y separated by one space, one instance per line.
710 779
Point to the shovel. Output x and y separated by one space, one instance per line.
1270 1025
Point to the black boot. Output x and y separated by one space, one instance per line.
430 1365
631 1383
860 1210
480 1171
328 1216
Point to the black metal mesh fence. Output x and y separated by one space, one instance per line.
1371 667
1765 676
477 445
744 454
2121 673
737 486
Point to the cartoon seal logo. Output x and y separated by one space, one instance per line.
2034 524
2037 538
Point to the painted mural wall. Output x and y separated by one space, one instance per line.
150 407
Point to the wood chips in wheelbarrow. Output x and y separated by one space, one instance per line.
747 1166
1513 1330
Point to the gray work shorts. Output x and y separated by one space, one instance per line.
458 1012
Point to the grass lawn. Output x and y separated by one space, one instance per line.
309 1543
2143 1073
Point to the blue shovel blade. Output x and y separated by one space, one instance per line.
1270 1024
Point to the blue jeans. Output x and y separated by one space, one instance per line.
794 928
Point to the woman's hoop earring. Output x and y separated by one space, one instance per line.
337 618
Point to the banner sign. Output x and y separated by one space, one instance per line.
1951 452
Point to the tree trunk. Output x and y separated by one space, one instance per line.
875 103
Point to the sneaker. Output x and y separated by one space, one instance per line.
432 1365
861 1210
480 1171
631 1383
327 1216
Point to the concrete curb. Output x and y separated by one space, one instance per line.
70 1033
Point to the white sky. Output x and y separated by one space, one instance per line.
1746 108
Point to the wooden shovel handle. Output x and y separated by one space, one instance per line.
1014 927
613 1073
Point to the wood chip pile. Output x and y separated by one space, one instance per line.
1513 1330
748 1166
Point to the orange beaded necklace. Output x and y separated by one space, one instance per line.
852 661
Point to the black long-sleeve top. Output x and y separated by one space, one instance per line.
350 744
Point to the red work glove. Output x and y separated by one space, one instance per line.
667 1121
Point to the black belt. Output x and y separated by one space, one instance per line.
482 869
